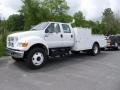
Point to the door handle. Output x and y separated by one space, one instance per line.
71 36
61 36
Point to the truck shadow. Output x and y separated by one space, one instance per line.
112 50
61 62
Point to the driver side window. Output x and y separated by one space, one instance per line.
53 28
50 28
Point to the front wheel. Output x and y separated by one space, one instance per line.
95 50
36 58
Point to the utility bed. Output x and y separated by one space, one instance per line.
84 39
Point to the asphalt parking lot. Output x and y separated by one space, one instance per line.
75 72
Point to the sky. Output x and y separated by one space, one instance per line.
92 9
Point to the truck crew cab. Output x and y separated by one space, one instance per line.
50 39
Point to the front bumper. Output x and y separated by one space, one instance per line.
15 53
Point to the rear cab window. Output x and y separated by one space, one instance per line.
66 28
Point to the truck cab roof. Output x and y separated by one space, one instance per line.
57 22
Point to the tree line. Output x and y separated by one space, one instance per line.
33 12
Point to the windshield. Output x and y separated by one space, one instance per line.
40 26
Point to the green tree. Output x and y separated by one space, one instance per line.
34 13
98 28
109 21
62 18
15 22
3 34
0 25
57 7
58 10
79 19
30 10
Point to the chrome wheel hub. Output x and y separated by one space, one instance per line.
95 49
119 47
38 58
116 45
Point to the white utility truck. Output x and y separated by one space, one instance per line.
51 39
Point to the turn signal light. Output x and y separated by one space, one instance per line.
24 44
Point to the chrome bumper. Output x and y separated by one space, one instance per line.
15 53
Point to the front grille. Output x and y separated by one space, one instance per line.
10 41
11 44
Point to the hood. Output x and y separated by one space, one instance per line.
26 34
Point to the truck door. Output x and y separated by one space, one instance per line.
68 36
53 36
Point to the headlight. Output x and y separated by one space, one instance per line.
12 39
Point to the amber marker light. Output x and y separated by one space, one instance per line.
24 44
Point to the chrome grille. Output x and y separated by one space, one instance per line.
10 41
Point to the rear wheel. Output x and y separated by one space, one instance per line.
117 46
36 58
95 50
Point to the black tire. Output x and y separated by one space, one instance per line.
17 59
95 50
103 49
40 60
117 46
88 52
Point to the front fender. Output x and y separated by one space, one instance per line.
32 40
